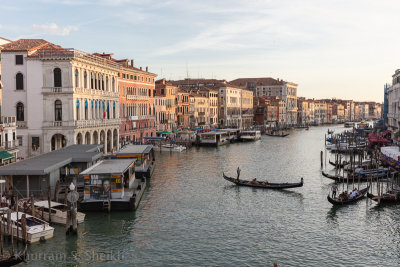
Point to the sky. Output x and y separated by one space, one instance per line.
344 49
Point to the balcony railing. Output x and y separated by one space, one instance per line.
22 124
201 113
57 90
9 121
9 144
96 123
137 97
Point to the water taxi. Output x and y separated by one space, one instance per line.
58 211
36 229
172 148
215 138
250 135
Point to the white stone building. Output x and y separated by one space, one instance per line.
60 96
230 106
393 102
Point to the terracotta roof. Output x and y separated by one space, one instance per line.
257 81
49 48
5 39
25 45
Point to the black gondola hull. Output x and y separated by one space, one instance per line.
267 186
349 201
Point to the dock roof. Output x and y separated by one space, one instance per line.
134 149
49 162
109 166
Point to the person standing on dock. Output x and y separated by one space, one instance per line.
334 189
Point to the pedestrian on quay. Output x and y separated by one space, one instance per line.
334 189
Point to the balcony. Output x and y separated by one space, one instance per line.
96 123
201 113
22 124
57 90
9 145
9 121
137 97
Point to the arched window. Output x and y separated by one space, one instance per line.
76 78
113 84
57 77
107 87
78 117
86 110
58 110
20 112
91 81
85 79
19 80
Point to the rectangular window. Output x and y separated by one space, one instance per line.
19 138
19 60
35 143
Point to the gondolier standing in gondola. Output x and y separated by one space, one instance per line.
238 174
334 189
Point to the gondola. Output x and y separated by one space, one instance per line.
14 259
277 135
336 201
384 198
340 178
263 185
344 163
333 177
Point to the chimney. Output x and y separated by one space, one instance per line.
147 69
140 68
132 63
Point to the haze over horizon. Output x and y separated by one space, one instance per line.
341 49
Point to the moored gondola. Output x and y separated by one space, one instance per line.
386 198
263 184
341 165
336 201
14 259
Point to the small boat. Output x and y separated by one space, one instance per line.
172 148
14 259
385 198
301 127
58 211
37 229
333 177
344 163
330 131
349 124
263 184
336 201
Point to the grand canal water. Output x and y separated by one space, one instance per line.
190 216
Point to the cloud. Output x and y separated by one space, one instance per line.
54 29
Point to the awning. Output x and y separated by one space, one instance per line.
176 131
4 155
163 132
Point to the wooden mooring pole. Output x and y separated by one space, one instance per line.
322 156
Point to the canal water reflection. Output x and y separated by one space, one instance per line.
191 216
